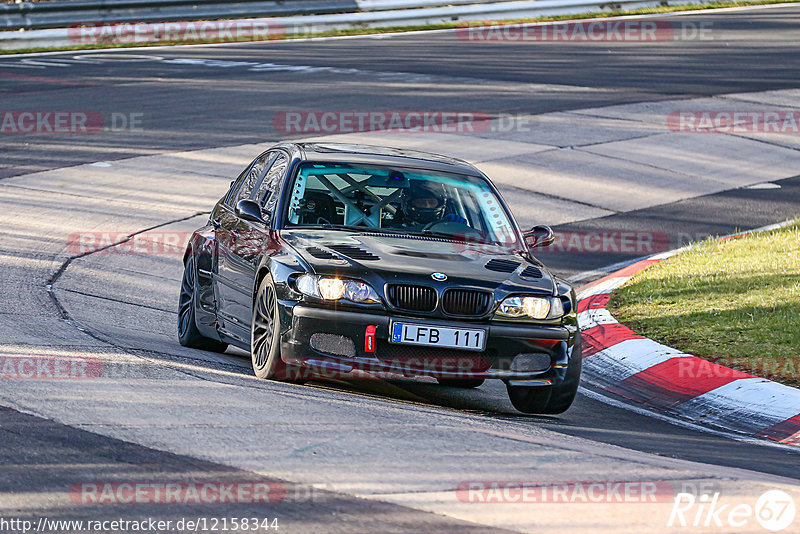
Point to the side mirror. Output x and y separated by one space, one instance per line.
249 210
539 236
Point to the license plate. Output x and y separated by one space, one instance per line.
438 336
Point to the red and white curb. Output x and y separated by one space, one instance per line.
668 381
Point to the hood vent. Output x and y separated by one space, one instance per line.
502 266
430 255
531 273
320 254
354 252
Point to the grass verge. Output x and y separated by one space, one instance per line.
373 31
734 302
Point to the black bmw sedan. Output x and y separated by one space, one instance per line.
351 260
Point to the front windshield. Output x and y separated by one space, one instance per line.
398 200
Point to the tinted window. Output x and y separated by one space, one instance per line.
253 176
267 193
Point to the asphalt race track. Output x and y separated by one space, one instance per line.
351 455
229 104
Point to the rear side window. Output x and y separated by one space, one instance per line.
249 179
253 178
231 194
267 194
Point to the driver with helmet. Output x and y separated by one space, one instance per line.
424 204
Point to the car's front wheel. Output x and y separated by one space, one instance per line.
265 348
188 334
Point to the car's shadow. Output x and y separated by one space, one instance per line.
489 399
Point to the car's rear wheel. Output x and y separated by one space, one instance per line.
465 383
549 400
188 334
265 347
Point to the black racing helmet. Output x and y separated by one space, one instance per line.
423 202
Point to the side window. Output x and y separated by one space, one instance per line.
231 194
267 194
253 176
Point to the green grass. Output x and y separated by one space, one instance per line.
734 302
371 31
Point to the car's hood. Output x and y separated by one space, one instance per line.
393 257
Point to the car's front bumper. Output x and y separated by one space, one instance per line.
553 348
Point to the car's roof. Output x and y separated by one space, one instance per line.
382 155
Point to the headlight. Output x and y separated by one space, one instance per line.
532 307
330 288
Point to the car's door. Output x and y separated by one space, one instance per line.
248 241
231 275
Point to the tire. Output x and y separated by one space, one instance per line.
265 347
549 400
464 383
188 334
